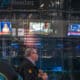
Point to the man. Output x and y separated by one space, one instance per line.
28 69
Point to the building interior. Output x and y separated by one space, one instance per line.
56 24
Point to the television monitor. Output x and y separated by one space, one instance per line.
5 28
20 32
39 27
74 30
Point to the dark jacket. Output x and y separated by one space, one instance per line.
28 70
8 71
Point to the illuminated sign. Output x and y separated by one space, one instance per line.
5 28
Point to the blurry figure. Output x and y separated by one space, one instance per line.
7 72
46 27
28 69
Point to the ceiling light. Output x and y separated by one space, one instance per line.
42 5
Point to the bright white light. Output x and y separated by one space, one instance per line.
42 5
5 29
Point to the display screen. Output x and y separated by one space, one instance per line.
39 27
5 28
74 30
20 31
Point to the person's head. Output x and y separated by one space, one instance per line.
32 53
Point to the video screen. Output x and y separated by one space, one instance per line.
20 32
74 30
5 28
39 27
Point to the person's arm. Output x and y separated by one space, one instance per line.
45 76
42 75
